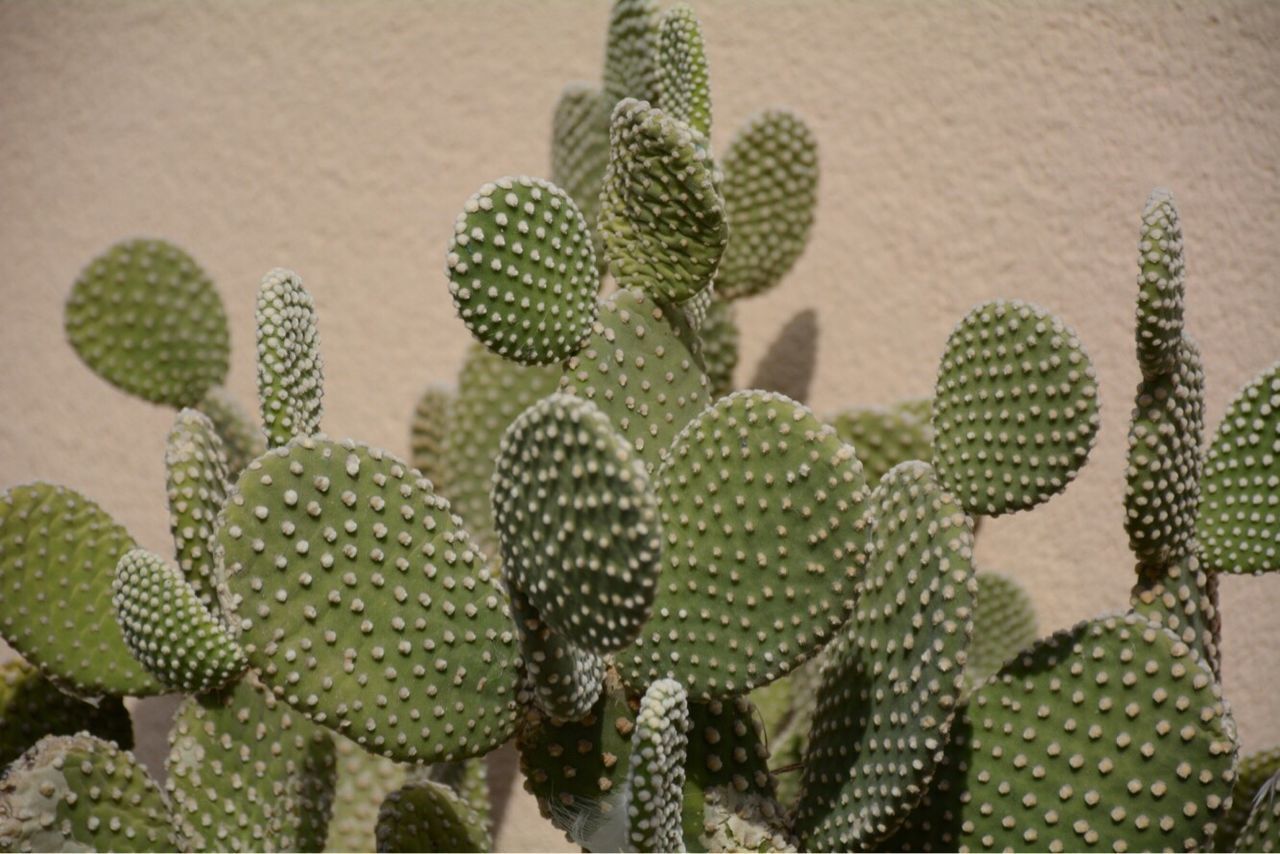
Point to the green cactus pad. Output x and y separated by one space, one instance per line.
1251 775
728 759
492 392
1016 409
760 507
934 824
429 816
770 191
892 679
1161 286
662 217
566 679
580 148
1239 522
887 435
1180 596
290 370
364 605
642 369
655 781
242 439
684 85
469 780
1162 479
169 629
317 788
80 793
32 707
1262 831
363 781
788 366
146 318
58 555
197 479
522 271
578 522
719 336
1004 624
630 70
428 435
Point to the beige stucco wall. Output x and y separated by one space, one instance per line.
969 150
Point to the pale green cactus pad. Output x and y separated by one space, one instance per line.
695 308
760 506
1262 831
1251 775
1182 596
522 271
58 555
1162 478
147 319
1161 286
719 335
32 707
1016 409
196 479
566 679
80 793
887 435
363 781
630 70
242 439
428 433
642 369
428 816
1239 522
169 629
580 149
578 522
662 218
363 603
1004 624
788 366
892 679
684 84
770 191
655 781
290 370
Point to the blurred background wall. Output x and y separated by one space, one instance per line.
969 151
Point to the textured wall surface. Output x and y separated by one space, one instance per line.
969 151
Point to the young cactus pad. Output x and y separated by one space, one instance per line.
566 679
197 479
580 148
1161 286
290 370
629 67
655 781
684 87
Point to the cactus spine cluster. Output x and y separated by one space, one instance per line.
604 551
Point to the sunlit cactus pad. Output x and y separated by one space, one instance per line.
656 778
290 370
1016 409
684 86
887 435
80 793
522 271
196 479
146 318
1161 286
58 555
1239 521
363 603
242 438
426 816
761 507
31 707
428 432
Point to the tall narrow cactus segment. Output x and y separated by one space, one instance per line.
630 68
1262 831
655 781
1179 595
1004 624
770 191
789 364
893 678
363 603
197 479
1161 286
580 148
32 707
146 318
935 824
426 816
429 433
727 769
566 679
1016 409
662 216
522 271
760 507
363 781
169 629
1251 777
80 793
1239 520
290 370
58 555
684 84
719 336
887 435
242 438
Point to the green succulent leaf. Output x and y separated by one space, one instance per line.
290 370
630 70
655 781
197 479
788 366
566 679
684 84
726 772
32 707
428 816
887 435
1004 624
242 439
1161 287
429 433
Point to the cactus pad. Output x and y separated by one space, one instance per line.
770 191
1239 521
760 507
1180 596
426 816
1262 831
892 679
580 148
719 335
242 438
1016 409
31 707
522 271
196 478
363 782
684 85
656 778
566 679
290 370
1252 774
887 435
169 629
662 217
1004 624
146 318
728 759
58 555
1161 285
629 67
578 522
428 433
363 603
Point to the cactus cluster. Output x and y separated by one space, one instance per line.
709 618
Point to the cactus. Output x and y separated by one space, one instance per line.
1252 776
31 707
196 477
242 439
1262 830
887 435
428 432
1004 623
290 370
429 816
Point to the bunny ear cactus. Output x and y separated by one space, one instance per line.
242 439
290 370
1262 831
1004 624
630 69
32 707
428 433
1254 782
887 435
655 781
426 816
684 86
580 148
196 477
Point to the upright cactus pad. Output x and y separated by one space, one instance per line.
789 364
242 438
1161 286
31 707
565 678
656 777
169 629
428 433
580 148
770 191
761 507
363 781
1016 409
1239 521
196 479
892 680
719 336
290 370
629 68
58 555
426 816
1004 624
1180 596
684 84
662 217
578 522
147 319
727 765
887 435
522 271
363 603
